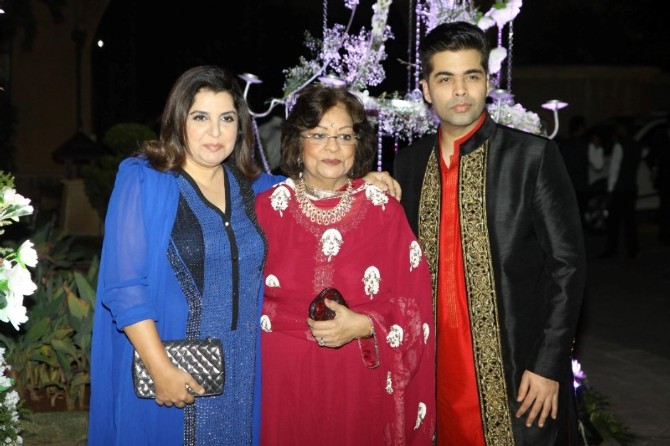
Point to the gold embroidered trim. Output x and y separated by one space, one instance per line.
429 219
482 301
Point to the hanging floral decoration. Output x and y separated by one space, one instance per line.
354 61
407 116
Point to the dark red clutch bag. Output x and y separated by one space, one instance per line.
318 309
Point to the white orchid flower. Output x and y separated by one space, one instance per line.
496 58
506 14
13 205
14 311
27 254
12 398
5 382
11 198
19 282
485 23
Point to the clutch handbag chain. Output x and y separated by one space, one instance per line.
201 358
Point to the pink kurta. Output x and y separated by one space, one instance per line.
378 392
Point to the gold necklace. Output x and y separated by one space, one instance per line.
314 193
323 216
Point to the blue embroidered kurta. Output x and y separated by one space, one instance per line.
165 247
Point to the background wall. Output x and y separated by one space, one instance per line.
44 87
596 92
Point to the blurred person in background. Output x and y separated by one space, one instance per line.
659 163
622 192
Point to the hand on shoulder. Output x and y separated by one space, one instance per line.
385 182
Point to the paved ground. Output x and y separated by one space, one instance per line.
623 341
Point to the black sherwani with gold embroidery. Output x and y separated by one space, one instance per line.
524 266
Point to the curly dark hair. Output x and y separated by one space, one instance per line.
169 151
312 103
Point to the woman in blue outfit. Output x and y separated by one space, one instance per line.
182 258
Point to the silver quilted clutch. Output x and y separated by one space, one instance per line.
201 358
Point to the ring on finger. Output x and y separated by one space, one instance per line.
321 343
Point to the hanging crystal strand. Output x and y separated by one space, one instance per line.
417 39
499 73
395 143
325 17
409 47
510 45
380 120
259 144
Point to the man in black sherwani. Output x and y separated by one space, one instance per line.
497 218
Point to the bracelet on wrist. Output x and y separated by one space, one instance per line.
372 329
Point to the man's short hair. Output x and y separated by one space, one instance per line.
454 36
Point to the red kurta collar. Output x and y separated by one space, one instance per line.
462 139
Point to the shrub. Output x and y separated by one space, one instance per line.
123 140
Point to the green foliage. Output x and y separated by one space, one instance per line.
99 181
6 180
51 354
306 69
606 423
123 140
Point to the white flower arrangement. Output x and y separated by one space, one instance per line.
9 407
517 117
15 280
15 283
406 118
